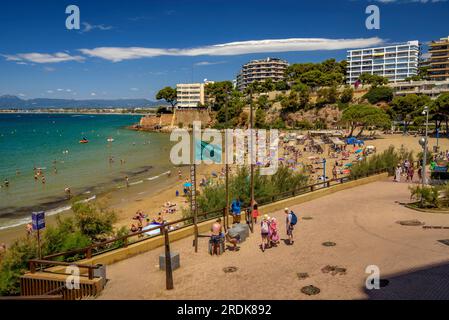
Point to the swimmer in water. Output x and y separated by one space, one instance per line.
6 183
43 180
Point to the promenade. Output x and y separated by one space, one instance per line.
362 223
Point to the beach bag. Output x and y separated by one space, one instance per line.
265 228
294 219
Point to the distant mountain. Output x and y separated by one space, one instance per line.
13 102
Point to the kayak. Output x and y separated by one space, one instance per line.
84 141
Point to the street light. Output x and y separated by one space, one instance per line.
423 143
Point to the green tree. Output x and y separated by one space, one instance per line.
346 95
408 108
168 94
378 94
218 93
364 116
373 79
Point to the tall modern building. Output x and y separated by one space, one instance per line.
259 70
396 63
439 59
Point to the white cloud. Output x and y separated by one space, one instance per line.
117 54
60 90
43 57
87 27
50 91
93 94
49 69
208 63
22 95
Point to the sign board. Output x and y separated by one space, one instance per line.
38 220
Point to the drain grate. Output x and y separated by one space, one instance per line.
333 270
230 269
310 290
302 275
444 241
329 244
307 218
411 223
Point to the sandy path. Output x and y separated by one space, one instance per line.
360 220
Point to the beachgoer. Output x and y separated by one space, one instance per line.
134 228
43 180
236 210
264 231
397 175
274 232
289 225
127 181
177 193
334 172
255 213
233 240
410 173
68 192
29 229
216 236
6 182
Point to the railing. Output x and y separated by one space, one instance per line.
34 262
124 241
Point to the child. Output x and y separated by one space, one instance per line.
255 213
274 233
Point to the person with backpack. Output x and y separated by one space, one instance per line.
291 220
264 231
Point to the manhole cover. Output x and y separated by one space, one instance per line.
384 282
230 269
302 275
445 241
329 244
310 290
307 218
333 270
412 223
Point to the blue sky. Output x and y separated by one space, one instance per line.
131 49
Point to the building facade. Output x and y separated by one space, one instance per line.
439 59
189 95
396 63
430 88
260 70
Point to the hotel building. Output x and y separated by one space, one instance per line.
190 95
260 70
396 63
439 60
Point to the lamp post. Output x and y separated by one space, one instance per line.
424 145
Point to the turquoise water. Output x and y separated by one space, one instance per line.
51 142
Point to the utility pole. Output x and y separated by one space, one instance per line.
193 204
252 149
226 217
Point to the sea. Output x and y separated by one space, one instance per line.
51 143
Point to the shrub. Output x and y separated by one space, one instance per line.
93 221
426 195
386 160
15 263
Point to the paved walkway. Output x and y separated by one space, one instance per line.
362 223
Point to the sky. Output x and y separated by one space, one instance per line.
133 48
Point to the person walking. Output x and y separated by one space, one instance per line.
289 223
255 213
236 210
264 232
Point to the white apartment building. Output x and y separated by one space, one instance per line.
260 70
395 63
431 88
190 95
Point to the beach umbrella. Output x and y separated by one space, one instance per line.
187 184
358 151
281 159
348 165
291 161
